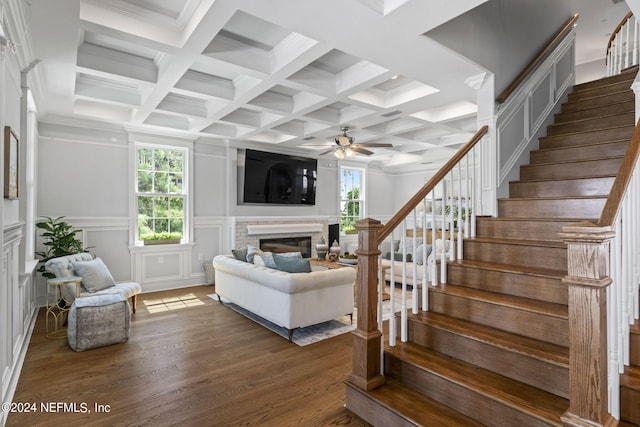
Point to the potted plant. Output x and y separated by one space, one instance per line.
162 238
59 238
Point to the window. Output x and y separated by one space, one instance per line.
160 192
351 198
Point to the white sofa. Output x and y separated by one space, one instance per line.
63 267
290 300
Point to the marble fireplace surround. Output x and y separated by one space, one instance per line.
249 232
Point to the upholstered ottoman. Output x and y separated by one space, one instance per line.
97 321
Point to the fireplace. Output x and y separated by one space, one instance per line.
300 244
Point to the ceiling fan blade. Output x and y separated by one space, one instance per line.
327 152
374 144
361 150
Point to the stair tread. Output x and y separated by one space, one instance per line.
414 406
601 96
590 119
564 162
525 304
630 72
631 378
502 218
536 402
508 268
541 350
521 199
518 242
630 126
635 328
572 147
562 179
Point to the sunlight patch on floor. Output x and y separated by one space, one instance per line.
172 303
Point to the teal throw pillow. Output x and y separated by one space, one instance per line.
397 256
292 265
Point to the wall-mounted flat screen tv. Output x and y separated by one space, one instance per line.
279 178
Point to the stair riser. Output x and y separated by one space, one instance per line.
371 411
591 124
634 358
599 91
519 229
581 138
630 405
521 285
562 188
550 208
514 365
466 401
585 104
585 152
523 256
571 170
619 108
525 323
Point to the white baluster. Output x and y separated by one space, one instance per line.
433 271
635 41
460 222
475 182
425 282
452 232
392 298
467 202
627 51
403 307
443 259
414 269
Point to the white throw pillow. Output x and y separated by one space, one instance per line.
251 252
95 275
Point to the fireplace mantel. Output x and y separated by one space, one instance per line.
253 229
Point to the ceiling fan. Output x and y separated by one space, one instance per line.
347 148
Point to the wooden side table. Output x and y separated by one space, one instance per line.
57 306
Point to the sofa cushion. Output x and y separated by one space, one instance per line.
265 260
61 266
240 254
95 275
251 252
420 253
292 264
397 256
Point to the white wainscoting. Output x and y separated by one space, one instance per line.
18 313
524 117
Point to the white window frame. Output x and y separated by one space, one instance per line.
187 179
361 194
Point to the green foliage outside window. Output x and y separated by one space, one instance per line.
350 201
160 192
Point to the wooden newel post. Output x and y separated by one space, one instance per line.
367 339
587 281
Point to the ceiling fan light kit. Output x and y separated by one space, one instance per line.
346 147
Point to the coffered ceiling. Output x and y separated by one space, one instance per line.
264 73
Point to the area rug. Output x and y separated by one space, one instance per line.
301 336
321 331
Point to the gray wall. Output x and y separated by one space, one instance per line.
503 36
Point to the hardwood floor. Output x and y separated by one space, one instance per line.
189 361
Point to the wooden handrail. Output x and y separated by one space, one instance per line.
615 33
619 188
537 60
430 185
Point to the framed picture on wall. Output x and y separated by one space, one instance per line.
10 164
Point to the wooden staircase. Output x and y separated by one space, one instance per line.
492 350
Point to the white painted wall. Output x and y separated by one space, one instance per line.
83 174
